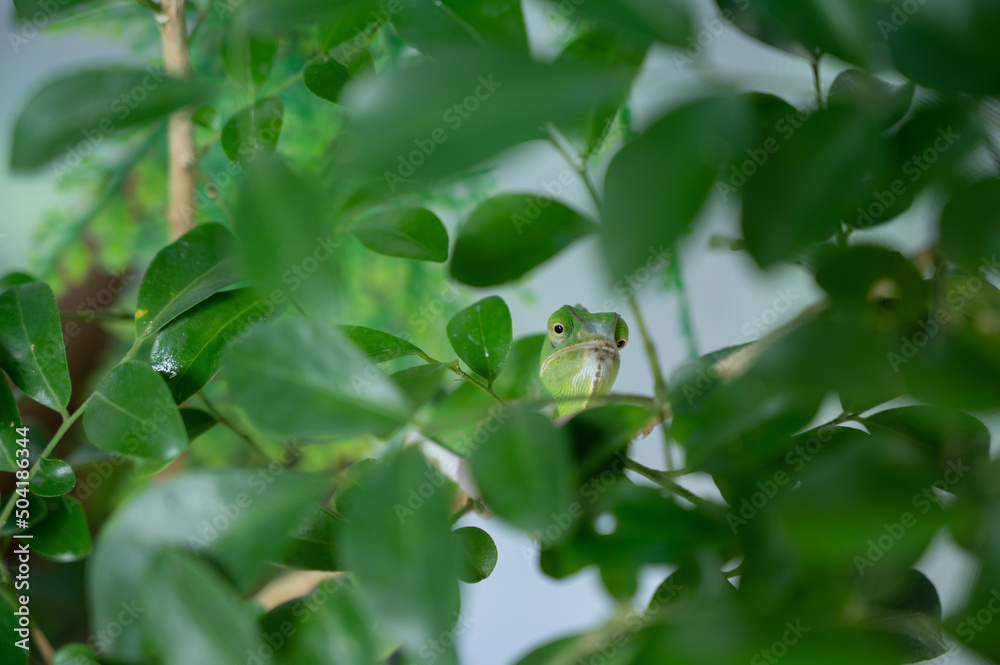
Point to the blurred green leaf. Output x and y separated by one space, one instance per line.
379 346
433 27
192 615
353 485
311 542
525 472
420 383
885 101
873 282
247 57
327 76
398 545
31 344
970 226
184 273
63 534
810 183
945 44
481 335
299 378
186 352
460 108
284 235
668 21
196 422
520 377
331 628
253 131
10 422
132 412
84 107
955 368
508 235
409 233
656 185
935 140
911 609
54 478
478 554
602 433
239 519
75 654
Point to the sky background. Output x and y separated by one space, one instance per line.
518 608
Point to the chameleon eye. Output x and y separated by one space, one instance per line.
622 343
557 329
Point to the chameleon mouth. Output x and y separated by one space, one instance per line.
601 348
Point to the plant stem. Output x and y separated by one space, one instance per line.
68 420
238 431
816 82
202 15
180 129
287 83
661 397
683 306
578 166
663 480
457 369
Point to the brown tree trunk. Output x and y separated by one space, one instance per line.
180 131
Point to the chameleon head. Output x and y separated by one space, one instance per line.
580 358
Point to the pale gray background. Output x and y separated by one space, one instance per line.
517 608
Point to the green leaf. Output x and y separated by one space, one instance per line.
525 471
409 233
84 107
508 235
379 346
132 412
75 654
299 378
192 615
15 278
187 351
333 631
481 335
873 282
813 181
970 226
196 422
520 377
354 484
420 383
657 184
184 273
433 27
31 344
478 554
10 652
668 21
461 108
401 551
311 542
601 434
253 131
948 45
63 534
10 422
248 57
54 478
278 253
956 368
327 76
884 100
238 519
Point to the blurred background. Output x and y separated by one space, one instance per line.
728 299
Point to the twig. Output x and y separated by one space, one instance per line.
180 128
683 306
577 166
816 83
457 369
661 396
200 21
238 431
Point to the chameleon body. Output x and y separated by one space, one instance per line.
580 358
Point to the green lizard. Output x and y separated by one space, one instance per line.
580 358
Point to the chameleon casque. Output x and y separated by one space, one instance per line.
580 361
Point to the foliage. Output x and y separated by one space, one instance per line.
302 334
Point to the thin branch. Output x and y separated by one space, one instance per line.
201 20
816 81
238 431
683 306
457 369
664 480
180 129
577 166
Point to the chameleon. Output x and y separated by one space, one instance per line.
580 356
